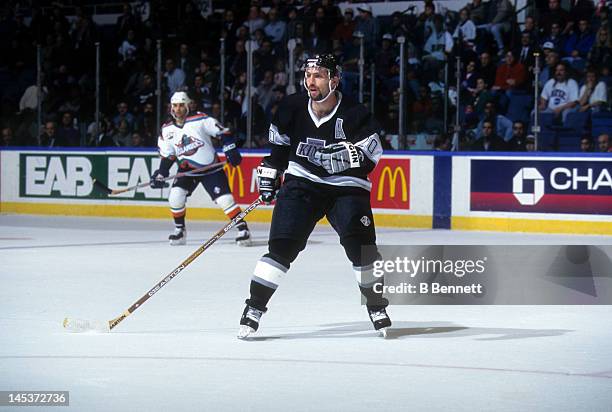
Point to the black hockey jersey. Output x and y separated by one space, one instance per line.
296 134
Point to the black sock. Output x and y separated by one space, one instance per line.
260 295
179 222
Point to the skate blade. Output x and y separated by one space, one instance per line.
178 242
245 242
384 333
245 331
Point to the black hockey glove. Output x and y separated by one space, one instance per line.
337 158
231 151
157 177
269 181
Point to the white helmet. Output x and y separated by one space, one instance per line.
177 98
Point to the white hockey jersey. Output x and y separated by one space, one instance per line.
191 144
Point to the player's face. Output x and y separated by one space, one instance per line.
180 110
317 82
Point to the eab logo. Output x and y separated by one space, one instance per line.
71 176
56 176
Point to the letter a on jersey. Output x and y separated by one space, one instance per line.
339 131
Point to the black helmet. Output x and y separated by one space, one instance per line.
327 61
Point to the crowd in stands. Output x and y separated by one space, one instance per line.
572 46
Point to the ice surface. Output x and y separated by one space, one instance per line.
315 349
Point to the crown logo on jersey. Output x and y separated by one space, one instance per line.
339 131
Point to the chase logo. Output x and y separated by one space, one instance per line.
528 174
542 186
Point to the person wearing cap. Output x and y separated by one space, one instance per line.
367 25
344 30
325 145
551 58
555 40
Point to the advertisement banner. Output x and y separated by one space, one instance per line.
541 186
391 184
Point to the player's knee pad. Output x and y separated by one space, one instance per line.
285 250
177 199
227 203
269 272
357 253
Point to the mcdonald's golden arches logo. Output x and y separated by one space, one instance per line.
392 176
231 172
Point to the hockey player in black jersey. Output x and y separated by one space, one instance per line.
326 145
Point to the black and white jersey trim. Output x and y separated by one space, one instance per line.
318 122
295 169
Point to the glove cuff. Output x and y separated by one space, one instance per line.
228 147
354 156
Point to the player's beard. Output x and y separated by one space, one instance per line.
319 95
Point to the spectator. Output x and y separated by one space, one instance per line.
547 73
422 107
442 143
67 134
122 136
7 137
123 114
264 91
367 25
530 27
510 76
593 94
175 77
518 142
465 32
526 52
385 58
425 22
489 141
254 20
556 14
477 11
480 96
344 30
530 146
275 29
48 136
437 47
502 124
560 95
487 69
601 53
137 140
586 144
128 49
554 40
398 27
145 93
603 143
501 22
578 45
186 62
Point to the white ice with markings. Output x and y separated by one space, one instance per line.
315 349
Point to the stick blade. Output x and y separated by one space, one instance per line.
101 187
81 325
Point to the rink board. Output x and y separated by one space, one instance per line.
55 182
505 192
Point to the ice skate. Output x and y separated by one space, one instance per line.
179 237
249 322
244 235
380 319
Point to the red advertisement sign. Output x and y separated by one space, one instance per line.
390 182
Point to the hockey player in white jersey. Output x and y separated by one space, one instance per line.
187 140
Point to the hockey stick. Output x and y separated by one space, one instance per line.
211 167
80 325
